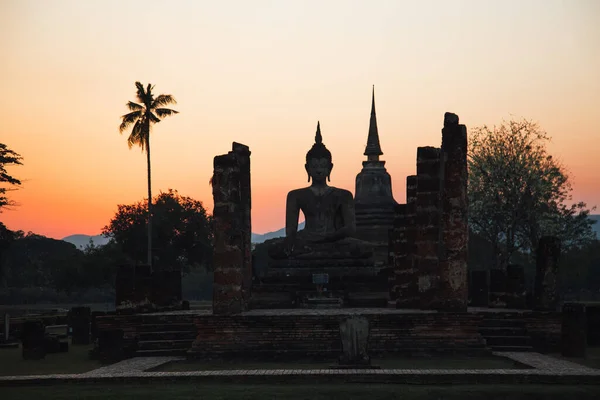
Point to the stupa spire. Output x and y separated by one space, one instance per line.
373 149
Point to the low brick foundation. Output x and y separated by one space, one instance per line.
319 334
316 332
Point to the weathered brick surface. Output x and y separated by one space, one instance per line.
133 287
319 334
166 290
497 288
515 287
297 332
427 205
455 232
574 330
403 280
544 329
80 323
232 227
242 153
548 254
479 288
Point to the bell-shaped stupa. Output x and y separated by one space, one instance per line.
374 201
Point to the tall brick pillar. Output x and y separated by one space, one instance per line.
548 254
242 153
455 231
231 258
411 300
427 210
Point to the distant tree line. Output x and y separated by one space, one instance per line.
35 268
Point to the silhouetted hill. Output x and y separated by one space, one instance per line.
258 238
80 241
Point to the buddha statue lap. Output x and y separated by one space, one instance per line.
326 239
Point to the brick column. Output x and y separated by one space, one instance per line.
455 231
396 250
242 153
230 262
428 226
403 280
548 254
411 236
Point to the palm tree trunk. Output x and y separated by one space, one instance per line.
149 203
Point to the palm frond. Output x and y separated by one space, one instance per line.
163 100
165 112
137 135
134 106
140 91
153 118
129 119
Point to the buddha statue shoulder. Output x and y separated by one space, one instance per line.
328 212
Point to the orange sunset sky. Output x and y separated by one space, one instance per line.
262 73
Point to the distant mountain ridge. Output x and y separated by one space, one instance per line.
80 241
260 238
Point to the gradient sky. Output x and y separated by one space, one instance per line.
262 73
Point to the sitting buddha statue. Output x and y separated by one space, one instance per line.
326 239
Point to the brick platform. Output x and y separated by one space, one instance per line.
301 331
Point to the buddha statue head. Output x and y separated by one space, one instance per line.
318 160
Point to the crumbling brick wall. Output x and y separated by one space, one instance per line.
430 235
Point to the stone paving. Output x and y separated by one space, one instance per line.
340 311
547 363
137 364
544 369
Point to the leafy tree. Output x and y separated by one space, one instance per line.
182 235
100 264
7 157
518 192
142 116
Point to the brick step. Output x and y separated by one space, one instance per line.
280 348
303 341
512 348
334 331
502 323
503 331
165 344
508 340
168 335
168 319
269 330
161 353
179 327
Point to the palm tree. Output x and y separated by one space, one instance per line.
142 116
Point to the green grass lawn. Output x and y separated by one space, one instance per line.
75 361
176 391
456 362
